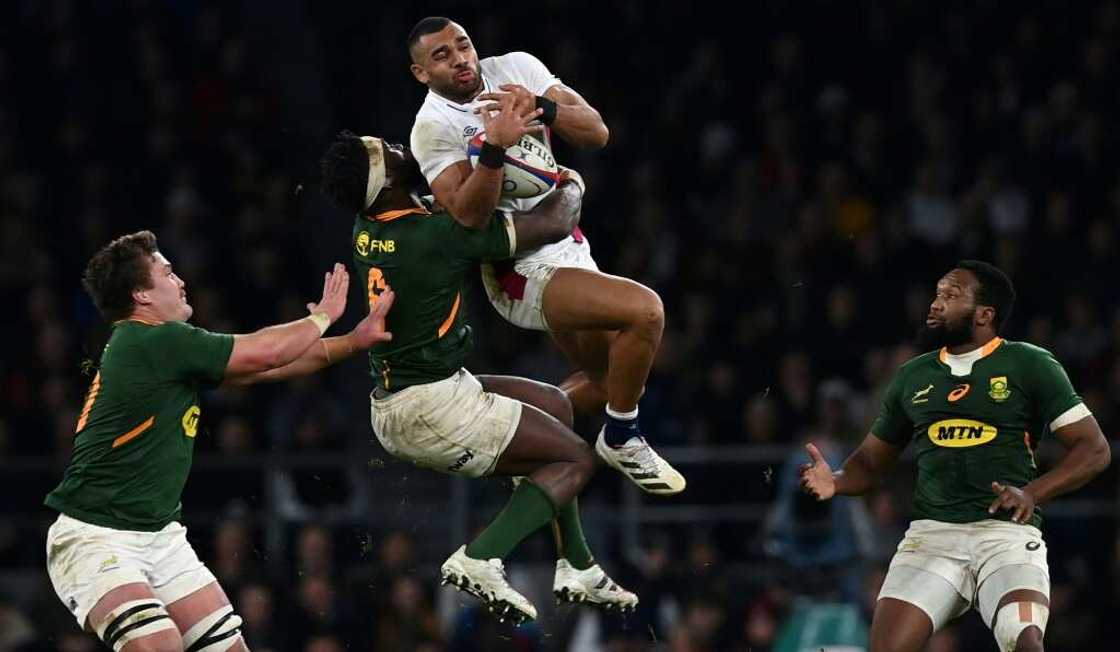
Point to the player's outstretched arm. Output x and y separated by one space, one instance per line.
1087 454
276 346
365 334
861 472
471 195
551 220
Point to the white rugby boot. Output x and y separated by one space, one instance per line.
486 580
638 461
591 586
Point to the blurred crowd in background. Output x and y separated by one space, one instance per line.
792 180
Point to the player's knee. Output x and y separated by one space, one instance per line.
559 405
1030 640
585 461
652 312
646 313
1020 626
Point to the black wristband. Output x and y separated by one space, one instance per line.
492 156
548 110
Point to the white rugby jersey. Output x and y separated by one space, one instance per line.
444 127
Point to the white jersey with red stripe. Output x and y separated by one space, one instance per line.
443 129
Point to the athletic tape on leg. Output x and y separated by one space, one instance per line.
215 632
132 620
1013 617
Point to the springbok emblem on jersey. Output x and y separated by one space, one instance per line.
922 395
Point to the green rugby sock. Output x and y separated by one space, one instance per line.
568 532
528 509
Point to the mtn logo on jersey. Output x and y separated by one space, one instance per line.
960 433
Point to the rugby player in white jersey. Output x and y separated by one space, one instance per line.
610 327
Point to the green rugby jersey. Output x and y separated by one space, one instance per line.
974 429
134 440
424 257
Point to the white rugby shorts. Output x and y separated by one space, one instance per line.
86 561
450 425
516 287
942 567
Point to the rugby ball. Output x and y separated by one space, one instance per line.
529 169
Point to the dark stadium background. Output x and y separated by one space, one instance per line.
792 179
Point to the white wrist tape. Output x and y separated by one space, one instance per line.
321 320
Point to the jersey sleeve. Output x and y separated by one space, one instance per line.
893 425
495 242
436 147
538 78
1050 389
192 354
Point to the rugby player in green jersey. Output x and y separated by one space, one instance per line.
428 409
117 556
974 408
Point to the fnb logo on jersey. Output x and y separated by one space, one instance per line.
960 433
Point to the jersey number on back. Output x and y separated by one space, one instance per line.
94 388
375 285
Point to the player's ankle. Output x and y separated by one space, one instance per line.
622 415
620 427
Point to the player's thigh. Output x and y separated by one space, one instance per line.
130 618
197 604
898 626
548 398
540 440
1010 557
207 620
88 565
916 602
578 299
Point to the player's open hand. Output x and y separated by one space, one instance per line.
335 285
505 123
816 476
523 100
371 329
1020 501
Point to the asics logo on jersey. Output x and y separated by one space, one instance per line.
959 392
922 395
470 131
960 433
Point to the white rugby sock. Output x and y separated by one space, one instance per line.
622 416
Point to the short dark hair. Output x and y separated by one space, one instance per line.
344 172
994 288
118 269
429 25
